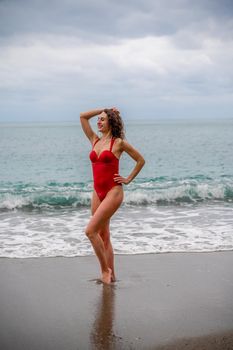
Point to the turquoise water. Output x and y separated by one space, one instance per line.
46 180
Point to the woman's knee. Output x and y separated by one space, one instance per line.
90 232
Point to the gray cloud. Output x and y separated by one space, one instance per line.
152 57
106 18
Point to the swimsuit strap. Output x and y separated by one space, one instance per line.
95 143
112 142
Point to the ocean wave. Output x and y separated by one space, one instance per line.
49 195
153 191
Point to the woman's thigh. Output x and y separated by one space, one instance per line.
104 229
95 202
102 211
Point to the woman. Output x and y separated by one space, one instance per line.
108 190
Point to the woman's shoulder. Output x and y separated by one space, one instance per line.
119 142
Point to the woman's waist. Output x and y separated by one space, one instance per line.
106 177
105 168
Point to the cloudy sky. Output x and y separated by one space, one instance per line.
150 58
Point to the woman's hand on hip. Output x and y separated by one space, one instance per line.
120 179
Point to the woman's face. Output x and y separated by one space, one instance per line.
102 123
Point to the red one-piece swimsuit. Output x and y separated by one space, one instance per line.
104 167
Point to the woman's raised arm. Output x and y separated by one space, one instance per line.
84 119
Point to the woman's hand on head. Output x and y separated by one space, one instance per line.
115 110
120 179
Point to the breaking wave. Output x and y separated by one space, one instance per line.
154 191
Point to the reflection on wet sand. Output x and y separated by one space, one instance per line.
102 334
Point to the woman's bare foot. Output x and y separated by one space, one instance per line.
106 276
113 278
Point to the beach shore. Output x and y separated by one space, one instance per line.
160 301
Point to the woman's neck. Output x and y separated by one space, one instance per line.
106 136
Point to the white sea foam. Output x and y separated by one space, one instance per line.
134 230
10 201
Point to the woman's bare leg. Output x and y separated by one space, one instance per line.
94 205
100 218
105 235
110 259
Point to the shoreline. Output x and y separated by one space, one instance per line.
122 254
160 301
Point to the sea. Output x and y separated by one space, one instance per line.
181 201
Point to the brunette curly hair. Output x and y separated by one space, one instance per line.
115 122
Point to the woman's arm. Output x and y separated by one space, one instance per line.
125 146
84 119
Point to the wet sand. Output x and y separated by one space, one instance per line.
160 301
